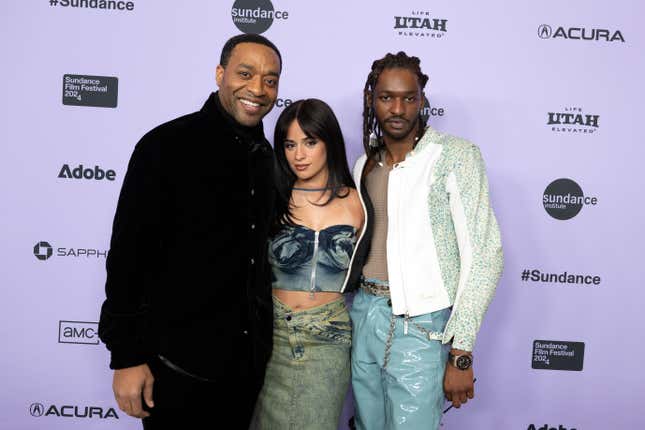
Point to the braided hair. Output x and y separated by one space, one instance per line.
390 61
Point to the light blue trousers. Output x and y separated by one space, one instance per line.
408 392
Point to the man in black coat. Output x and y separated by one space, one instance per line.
188 316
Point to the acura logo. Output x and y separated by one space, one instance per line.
36 409
545 31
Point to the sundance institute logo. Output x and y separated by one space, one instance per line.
563 199
430 111
545 31
255 16
282 103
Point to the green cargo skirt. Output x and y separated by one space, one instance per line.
309 371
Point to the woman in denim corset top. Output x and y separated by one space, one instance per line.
318 219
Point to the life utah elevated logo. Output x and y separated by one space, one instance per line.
420 24
573 119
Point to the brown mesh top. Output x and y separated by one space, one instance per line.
376 183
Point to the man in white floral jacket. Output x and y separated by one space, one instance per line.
433 257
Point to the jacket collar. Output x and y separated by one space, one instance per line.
424 147
213 109
430 136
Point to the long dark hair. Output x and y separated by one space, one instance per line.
317 120
390 61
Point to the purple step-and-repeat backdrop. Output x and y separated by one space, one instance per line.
551 91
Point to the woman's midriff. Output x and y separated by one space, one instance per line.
301 300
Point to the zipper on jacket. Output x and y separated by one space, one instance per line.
405 323
314 263
398 212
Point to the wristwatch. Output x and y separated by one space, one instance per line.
461 362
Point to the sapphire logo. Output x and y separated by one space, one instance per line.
43 250
36 409
421 24
545 31
255 16
563 199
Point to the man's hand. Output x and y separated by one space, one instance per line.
458 385
128 385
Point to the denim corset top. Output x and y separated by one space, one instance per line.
303 259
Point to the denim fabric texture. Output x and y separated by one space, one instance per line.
298 255
408 393
309 371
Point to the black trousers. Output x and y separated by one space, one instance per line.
183 402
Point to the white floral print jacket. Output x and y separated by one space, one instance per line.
443 242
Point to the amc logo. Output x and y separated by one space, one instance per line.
80 332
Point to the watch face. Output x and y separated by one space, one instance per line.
464 362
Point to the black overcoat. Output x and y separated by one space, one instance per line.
187 276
